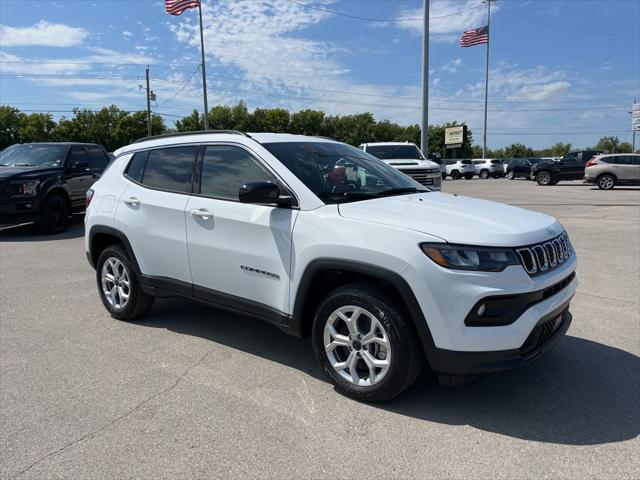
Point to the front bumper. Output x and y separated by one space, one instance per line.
15 212
545 335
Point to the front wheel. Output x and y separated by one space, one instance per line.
484 174
364 342
510 175
468 177
544 178
119 285
55 215
606 182
455 174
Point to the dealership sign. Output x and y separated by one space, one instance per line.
635 117
454 136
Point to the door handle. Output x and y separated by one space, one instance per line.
133 201
202 213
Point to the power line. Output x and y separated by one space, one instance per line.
570 29
181 88
369 19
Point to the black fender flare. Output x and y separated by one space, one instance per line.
114 232
393 278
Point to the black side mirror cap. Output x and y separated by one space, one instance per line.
266 193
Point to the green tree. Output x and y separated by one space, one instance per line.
36 127
517 150
624 147
307 122
191 123
608 144
560 149
220 118
9 126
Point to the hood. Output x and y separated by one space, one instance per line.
26 172
410 162
457 219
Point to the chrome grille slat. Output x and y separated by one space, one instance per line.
545 256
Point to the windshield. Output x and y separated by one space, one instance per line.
533 161
390 152
338 173
33 156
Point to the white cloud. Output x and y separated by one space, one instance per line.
127 34
452 65
42 33
446 25
541 91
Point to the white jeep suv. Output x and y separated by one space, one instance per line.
322 239
407 158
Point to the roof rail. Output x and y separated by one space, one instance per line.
181 134
325 137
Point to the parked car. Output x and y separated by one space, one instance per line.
460 168
488 167
570 167
381 273
609 170
46 182
521 167
407 158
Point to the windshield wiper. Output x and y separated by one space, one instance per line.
400 191
346 195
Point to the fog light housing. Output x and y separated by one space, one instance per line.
481 310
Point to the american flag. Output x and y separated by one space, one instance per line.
177 7
476 36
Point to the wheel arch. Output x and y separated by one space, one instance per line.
615 177
100 237
60 190
324 275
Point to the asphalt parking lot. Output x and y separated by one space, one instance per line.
194 392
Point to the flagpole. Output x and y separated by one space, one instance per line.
486 80
204 72
424 126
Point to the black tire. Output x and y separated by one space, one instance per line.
544 178
510 175
139 302
406 357
606 181
468 177
484 174
455 174
54 215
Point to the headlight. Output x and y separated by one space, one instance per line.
25 189
465 257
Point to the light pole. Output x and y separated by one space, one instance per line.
424 126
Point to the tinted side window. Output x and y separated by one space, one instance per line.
636 159
225 169
99 158
136 166
170 169
78 156
622 160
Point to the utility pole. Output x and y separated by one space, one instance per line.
424 126
148 102
486 78
204 72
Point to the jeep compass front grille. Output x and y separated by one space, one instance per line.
546 256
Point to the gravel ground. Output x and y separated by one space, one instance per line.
194 392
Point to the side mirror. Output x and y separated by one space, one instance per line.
81 167
263 193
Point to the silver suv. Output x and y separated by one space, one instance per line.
609 170
488 167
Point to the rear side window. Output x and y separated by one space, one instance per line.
225 169
99 158
636 159
78 157
622 160
466 162
170 169
136 166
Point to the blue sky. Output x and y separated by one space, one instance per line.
560 70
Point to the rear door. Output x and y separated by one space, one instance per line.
99 160
237 250
151 213
623 167
79 175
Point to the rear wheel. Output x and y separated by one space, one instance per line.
55 215
363 340
455 174
544 178
606 181
484 174
119 285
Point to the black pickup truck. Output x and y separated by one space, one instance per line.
569 167
46 182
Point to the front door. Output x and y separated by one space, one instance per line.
237 250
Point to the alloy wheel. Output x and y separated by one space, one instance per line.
605 182
116 285
544 178
357 346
